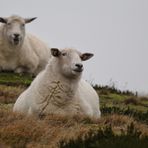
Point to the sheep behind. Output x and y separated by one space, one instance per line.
20 51
59 89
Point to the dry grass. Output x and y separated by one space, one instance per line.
19 131
132 100
8 94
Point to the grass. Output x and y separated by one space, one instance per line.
8 78
8 94
124 121
60 131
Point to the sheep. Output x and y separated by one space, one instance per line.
59 88
21 52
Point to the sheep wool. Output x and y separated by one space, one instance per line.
21 52
60 89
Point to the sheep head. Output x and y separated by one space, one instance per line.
69 61
14 29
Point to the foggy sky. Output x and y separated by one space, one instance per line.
116 31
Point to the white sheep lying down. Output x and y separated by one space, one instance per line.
21 52
59 88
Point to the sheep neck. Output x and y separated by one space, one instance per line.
60 92
55 77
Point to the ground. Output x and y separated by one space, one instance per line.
124 121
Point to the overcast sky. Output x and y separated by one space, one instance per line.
116 31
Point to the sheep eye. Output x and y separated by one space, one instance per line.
23 25
8 24
64 54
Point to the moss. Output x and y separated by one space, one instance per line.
9 78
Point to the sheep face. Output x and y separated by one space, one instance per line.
14 29
69 61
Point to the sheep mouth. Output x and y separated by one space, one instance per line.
79 70
16 41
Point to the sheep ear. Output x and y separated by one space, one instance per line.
3 20
28 20
86 56
55 52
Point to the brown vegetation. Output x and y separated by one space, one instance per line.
119 124
19 131
8 94
132 100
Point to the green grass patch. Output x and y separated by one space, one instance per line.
15 79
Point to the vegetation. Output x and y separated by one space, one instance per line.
8 78
124 121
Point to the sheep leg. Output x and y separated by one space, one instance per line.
22 70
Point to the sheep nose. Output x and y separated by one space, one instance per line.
16 35
80 66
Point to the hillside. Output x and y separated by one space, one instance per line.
124 121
